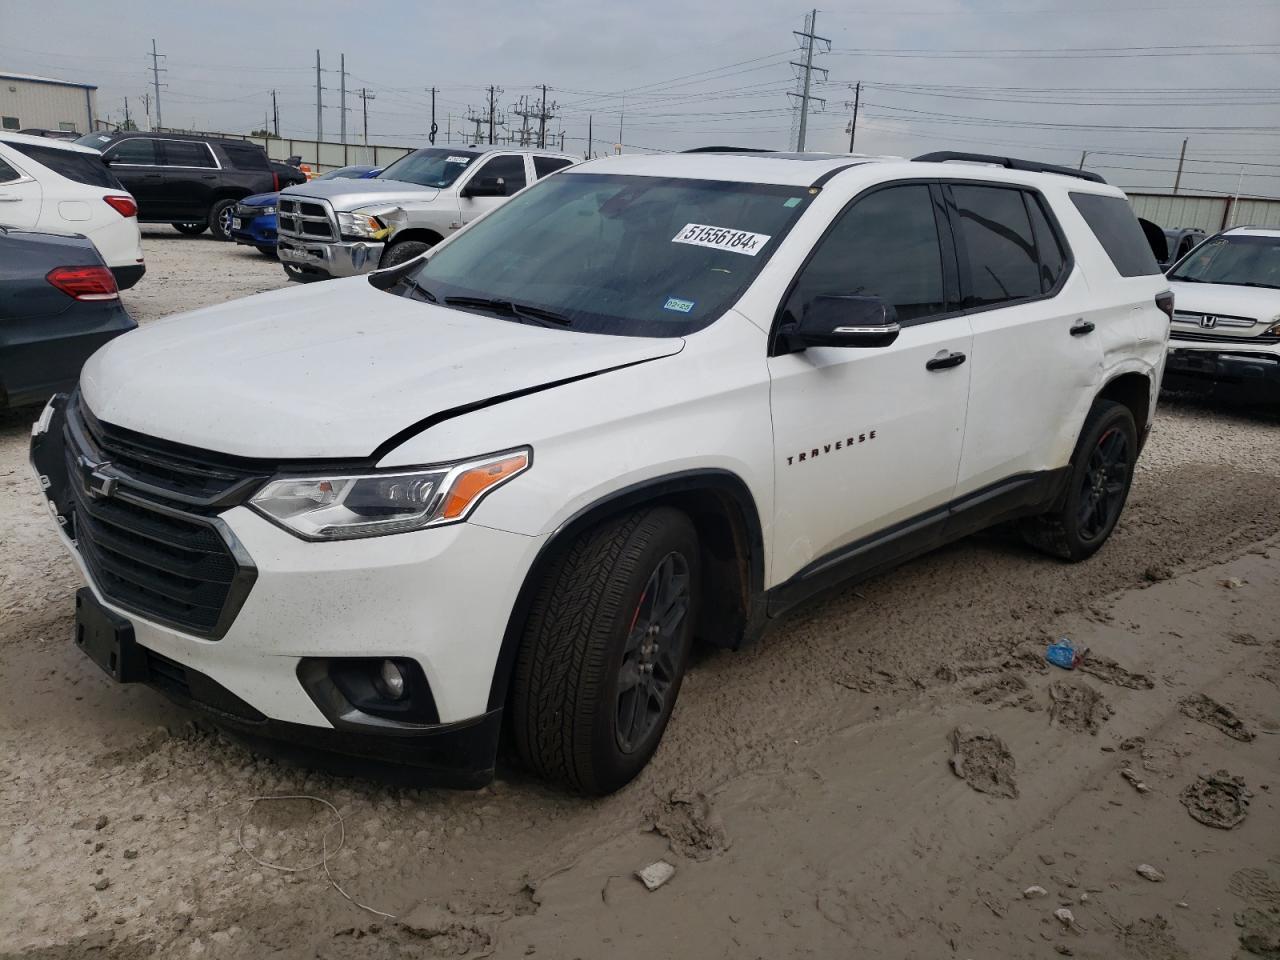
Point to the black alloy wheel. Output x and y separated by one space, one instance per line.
649 659
1105 483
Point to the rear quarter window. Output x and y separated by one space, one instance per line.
246 156
1114 224
86 168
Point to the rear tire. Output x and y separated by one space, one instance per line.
220 219
191 229
604 651
402 252
1100 476
267 252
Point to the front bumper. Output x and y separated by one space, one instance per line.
255 231
440 597
1246 373
333 258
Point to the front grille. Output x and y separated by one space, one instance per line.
142 516
305 219
1219 320
1200 337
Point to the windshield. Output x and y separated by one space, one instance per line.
429 168
1244 261
633 256
345 173
96 140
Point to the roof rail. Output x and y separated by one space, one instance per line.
730 150
1011 163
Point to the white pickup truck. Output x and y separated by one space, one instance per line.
339 228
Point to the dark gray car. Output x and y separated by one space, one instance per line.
58 304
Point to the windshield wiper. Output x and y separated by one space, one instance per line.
413 284
507 308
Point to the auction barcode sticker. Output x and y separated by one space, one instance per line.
457 159
721 238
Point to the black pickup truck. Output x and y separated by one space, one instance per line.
188 181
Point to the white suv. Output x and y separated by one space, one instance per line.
649 400
61 187
1226 331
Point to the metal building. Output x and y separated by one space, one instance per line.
1209 213
47 104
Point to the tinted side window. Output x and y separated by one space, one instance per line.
183 153
996 234
886 245
246 156
510 168
7 173
81 167
1049 247
134 150
1113 222
544 165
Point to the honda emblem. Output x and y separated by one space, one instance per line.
1208 322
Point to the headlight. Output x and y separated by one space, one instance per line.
1274 329
367 223
266 211
343 506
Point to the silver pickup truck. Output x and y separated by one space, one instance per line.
339 228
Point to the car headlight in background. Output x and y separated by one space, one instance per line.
366 223
345 506
1274 329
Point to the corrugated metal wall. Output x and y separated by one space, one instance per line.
1210 214
47 105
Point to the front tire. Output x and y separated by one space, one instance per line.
402 252
220 217
1101 474
604 651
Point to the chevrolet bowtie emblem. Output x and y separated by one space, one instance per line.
97 483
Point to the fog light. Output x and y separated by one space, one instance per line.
392 679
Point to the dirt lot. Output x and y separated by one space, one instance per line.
805 791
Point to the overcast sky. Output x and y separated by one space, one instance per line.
1124 80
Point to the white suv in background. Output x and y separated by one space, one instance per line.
61 187
1226 330
648 401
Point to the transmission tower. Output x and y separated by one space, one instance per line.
804 79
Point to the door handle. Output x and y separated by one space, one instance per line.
1081 327
945 360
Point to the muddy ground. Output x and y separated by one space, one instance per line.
807 791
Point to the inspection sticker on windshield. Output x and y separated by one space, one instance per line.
721 238
457 159
678 305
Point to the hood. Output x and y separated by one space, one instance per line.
260 200
329 371
1256 303
349 194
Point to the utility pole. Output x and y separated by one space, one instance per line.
275 115
127 125
1177 179
146 106
542 121
319 103
494 119
342 97
448 128
365 97
435 127
156 70
1083 154
622 108
806 77
853 124
590 118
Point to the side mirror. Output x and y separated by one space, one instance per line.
832 320
108 160
485 187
